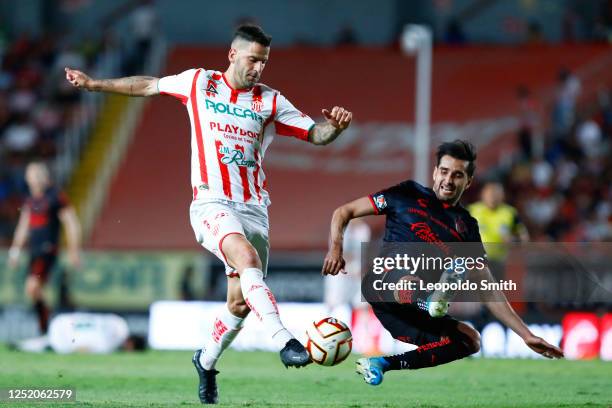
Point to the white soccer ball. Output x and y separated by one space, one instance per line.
329 341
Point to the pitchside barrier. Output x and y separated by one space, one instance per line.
112 280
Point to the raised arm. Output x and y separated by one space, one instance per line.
20 238
498 304
132 86
334 261
72 226
326 132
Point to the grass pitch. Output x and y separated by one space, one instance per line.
249 379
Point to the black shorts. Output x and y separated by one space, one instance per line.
41 265
409 324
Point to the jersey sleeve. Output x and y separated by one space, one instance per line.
384 200
177 86
289 121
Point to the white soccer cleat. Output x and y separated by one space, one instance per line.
438 308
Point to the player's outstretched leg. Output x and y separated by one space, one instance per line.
241 255
460 343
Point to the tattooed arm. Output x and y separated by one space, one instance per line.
132 86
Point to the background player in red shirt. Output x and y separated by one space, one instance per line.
39 225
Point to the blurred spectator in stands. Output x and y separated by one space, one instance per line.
534 33
568 26
588 135
529 123
20 137
602 26
144 22
454 34
568 90
186 283
346 36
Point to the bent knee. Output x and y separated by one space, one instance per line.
238 308
471 337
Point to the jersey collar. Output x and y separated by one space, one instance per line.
232 88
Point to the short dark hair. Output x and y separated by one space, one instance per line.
253 33
459 149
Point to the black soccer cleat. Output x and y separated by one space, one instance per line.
294 354
207 391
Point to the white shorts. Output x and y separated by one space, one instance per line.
213 220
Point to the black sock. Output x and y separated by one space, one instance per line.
431 354
42 312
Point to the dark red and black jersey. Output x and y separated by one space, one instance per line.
44 220
414 214
418 224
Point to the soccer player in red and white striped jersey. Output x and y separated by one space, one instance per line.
233 121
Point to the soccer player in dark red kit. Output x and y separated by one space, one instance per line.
39 224
417 214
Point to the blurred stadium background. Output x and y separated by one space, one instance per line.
528 82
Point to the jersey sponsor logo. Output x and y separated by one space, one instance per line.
423 202
233 129
380 202
203 186
233 110
234 156
424 232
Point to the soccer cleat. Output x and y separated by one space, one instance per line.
207 390
372 369
294 354
437 308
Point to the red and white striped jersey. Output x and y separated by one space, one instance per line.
230 132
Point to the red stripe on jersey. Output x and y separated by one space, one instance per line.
195 192
180 97
234 96
292 131
225 177
256 175
272 114
376 210
198 127
244 177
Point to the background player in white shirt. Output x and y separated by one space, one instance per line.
233 120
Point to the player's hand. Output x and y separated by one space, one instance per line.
333 264
338 117
77 78
541 346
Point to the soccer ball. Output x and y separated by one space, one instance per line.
329 341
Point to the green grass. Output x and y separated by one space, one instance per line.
167 379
